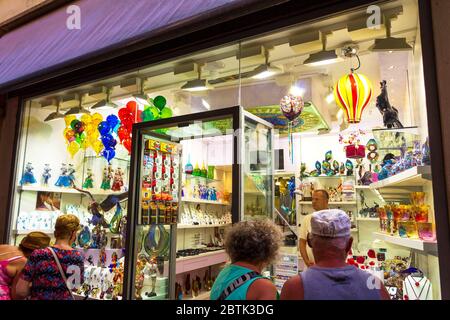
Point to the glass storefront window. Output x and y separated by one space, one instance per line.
357 128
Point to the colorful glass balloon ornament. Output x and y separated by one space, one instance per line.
157 110
128 115
107 139
352 94
291 106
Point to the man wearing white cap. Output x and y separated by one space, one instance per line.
330 278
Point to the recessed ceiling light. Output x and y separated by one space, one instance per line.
391 67
330 98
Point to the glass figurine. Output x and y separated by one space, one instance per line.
46 174
63 180
89 182
188 168
28 176
107 175
70 176
84 237
203 171
118 180
196 171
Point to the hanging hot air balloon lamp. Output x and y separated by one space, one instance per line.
353 91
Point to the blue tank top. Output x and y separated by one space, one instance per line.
226 277
346 283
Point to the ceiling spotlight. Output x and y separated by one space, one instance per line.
77 110
330 98
265 71
105 103
141 97
54 115
390 43
206 104
323 57
297 91
197 84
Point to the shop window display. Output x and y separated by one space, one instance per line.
354 125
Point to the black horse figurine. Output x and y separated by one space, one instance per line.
389 113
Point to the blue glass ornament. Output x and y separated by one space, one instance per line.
104 128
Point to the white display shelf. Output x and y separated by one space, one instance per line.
186 264
204 201
368 219
354 230
331 203
283 173
22 232
187 226
330 177
206 180
417 244
362 187
417 176
202 296
95 192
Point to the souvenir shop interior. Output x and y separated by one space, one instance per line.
332 104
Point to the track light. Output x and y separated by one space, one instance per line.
77 110
54 115
323 57
141 97
197 84
105 103
390 43
265 71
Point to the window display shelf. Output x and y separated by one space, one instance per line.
95 192
186 226
368 219
331 203
186 264
203 179
23 232
204 201
417 176
417 244
283 173
202 296
330 177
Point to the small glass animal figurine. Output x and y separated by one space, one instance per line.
63 179
107 176
89 182
70 176
46 174
118 180
28 176
188 168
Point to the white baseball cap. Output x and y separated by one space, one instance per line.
330 223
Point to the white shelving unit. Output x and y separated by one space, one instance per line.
204 201
184 226
417 244
331 203
37 188
414 177
368 219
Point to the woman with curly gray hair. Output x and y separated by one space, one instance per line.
252 246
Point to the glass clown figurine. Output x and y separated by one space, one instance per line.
70 175
63 179
28 176
89 182
46 175
107 175
118 180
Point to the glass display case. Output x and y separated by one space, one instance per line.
187 185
